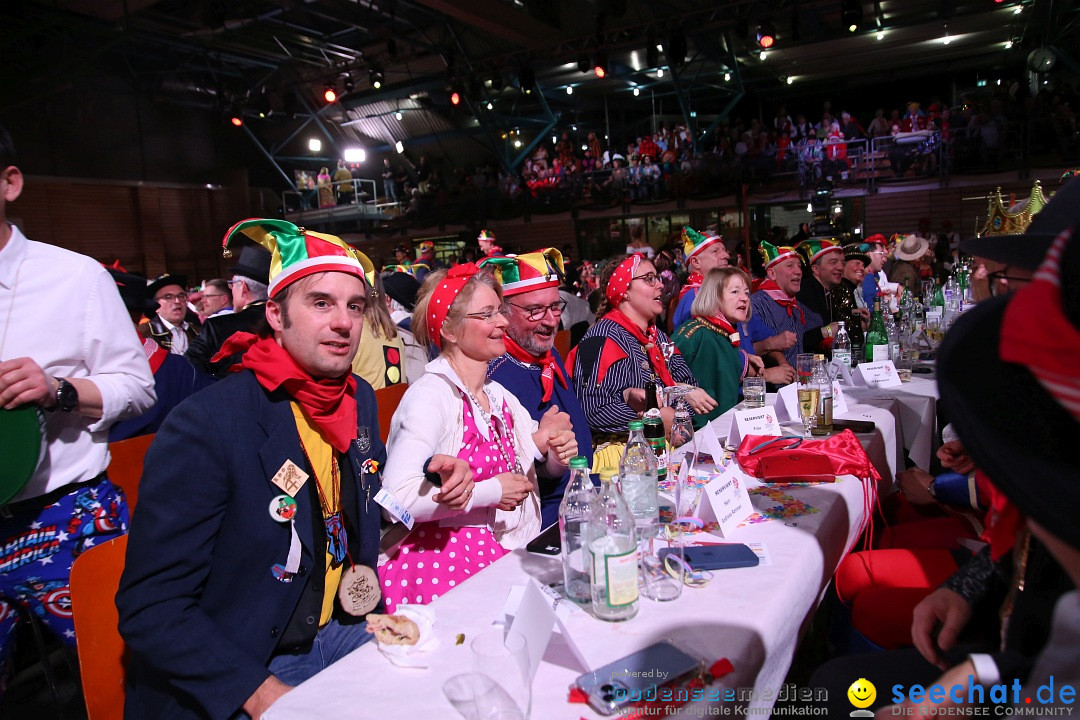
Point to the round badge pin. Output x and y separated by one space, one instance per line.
283 508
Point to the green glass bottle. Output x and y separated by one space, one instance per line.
877 337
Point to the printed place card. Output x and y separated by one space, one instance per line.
726 501
756 421
877 374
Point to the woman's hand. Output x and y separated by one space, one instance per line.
457 481
700 401
779 375
515 488
564 444
551 422
755 365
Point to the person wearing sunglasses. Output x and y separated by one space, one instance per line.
625 350
532 368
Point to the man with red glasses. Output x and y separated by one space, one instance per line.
532 368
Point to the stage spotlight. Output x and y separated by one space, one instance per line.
314 144
766 35
329 95
526 80
851 12
376 77
236 120
637 91
455 98
600 65
349 85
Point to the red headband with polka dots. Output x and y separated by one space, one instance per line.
443 297
619 283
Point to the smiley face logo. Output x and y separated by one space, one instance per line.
862 693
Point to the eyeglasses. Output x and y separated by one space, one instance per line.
649 279
234 281
173 297
488 316
995 289
536 312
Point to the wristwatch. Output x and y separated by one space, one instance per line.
67 397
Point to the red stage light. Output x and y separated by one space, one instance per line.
236 120
455 98
600 71
330 96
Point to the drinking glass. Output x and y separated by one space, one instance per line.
504 656
753 390
660 579
477 696
681 441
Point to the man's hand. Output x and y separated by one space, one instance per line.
864 316
701 401
515 488
781 341
943 613
779 375
457 481
23 382
915 485
635 398
265 696
551 422
954 456
954 676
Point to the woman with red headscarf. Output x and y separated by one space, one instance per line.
625 350
455 410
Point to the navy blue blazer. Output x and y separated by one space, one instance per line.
200 608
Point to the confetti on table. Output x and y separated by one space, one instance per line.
775 504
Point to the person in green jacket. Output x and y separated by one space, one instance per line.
710 343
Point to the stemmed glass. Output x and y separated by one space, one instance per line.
809 395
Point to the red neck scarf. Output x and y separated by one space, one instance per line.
782 299
330 403
692 283
649 343
549 368
721 322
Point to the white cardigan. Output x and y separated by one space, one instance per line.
429 421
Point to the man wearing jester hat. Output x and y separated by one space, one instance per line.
251 565
703 253
532 368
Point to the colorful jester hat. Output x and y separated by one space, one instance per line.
528 271
694 242
772 254
813 248
297 253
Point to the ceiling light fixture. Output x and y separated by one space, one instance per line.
851 12
1008 44
376 77
329 95
1018 9
659 72
790 80
400 147
766 35
569 89
727 77
357 155
762 55
637 91
880 34
314 144
490 106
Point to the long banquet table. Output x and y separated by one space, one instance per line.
754 617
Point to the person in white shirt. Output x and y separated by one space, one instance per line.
69 352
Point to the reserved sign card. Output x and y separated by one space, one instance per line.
877 374
726 500
756 421
841 371
839 402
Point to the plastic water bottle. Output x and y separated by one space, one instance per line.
821 379
638 476
613 553
574 530
841 348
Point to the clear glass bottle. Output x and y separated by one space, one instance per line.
574 530
613 552
682 436
821 380
841 347
877 337
638 474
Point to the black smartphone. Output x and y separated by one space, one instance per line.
547 542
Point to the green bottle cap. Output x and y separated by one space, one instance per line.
579 463
636 425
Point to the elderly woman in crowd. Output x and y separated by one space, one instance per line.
710 342
625 350
455 410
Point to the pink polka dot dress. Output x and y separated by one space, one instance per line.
432 560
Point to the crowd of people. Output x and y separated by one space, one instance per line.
253 561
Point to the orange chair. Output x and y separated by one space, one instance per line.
562 343
95 578
126 465
388 399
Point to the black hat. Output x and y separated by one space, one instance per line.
254 263
1019 418
403 288
162 281
1027 249
855 251
134 292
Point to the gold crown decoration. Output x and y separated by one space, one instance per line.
1014 218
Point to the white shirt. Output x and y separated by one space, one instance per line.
66 314
179 335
